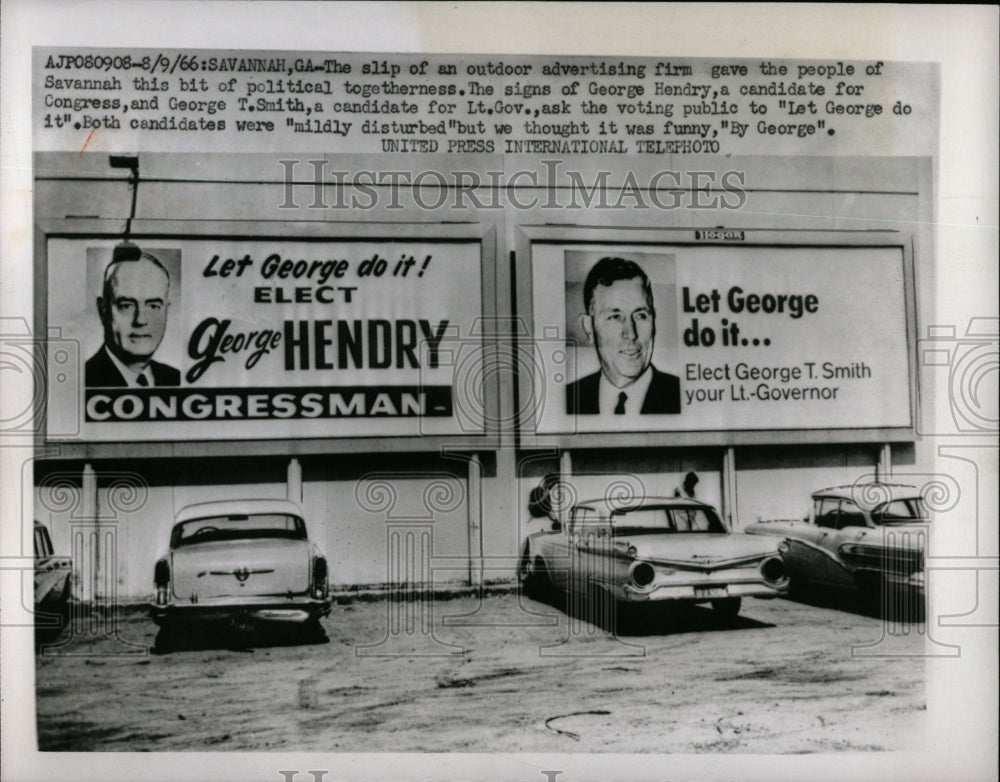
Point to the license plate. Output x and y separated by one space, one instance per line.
712 591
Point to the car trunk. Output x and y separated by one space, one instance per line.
245 568
699 548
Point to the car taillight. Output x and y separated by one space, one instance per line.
161 578
773 570
643 574
319 578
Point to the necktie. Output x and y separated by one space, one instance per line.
141 381
620 407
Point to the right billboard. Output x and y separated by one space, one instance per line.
717 338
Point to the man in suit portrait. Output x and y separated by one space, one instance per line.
620 321
133 310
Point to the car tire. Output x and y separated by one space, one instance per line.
313 631
535 580
895 604
168 638
626 618
728 608
527 576
876 596
600 608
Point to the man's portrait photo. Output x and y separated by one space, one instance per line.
618 317
133 307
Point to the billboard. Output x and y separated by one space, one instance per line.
196 338
689 338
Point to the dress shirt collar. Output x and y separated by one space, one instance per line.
131 376
636 391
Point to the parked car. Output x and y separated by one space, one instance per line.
863 536
246 561
651 550
52 584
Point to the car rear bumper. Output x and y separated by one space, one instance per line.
912 584
698 593
911 580
295 611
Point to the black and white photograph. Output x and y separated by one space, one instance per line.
512 391
133 304
618 318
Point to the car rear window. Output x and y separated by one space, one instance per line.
900 511
43 543
238 527
664 519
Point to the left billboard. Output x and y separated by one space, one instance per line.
200 338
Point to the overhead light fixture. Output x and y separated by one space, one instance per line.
126 250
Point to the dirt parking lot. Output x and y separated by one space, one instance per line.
497 674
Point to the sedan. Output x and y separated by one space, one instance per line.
246 561
651 551
868 537
52 585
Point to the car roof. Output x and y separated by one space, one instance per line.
231 507
869 494
610 505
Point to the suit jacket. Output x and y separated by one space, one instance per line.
662 397
101 372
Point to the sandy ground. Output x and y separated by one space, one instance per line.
495 674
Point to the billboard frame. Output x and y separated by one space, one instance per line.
146 230
529 236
